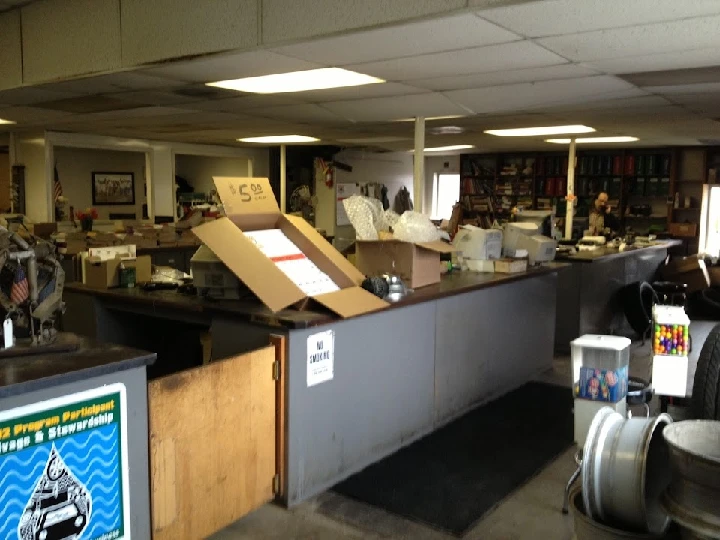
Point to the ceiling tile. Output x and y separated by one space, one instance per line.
29 96
392 108
508 56
147 97
30 115
700 88
424 37
657 38
526 96
305 113
360 92
656 62
231 66
245 102
480 80
677 77
555 17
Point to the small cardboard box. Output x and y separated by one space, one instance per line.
44 230
510 266
250 205
102 264
417 264
690 270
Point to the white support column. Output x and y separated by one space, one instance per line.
570 191
419 164
283 180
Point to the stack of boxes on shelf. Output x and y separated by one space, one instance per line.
600 378
671 346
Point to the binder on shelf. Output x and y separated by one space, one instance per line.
617 165
629 165
640 165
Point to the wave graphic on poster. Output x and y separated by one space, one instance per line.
93 460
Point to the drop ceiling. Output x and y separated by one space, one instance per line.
648 68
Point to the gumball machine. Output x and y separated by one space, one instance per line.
600 378
671 346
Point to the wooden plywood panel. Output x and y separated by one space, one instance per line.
212 444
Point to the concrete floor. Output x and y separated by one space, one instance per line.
531 512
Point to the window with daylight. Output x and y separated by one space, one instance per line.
446 190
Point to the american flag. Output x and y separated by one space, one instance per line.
19 291
57 189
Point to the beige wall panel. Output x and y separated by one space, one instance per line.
284 20
67 38
10 50
163 29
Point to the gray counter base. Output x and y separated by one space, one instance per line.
401 374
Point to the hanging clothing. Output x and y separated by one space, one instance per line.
403 202
384 197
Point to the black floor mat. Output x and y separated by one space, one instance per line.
450 478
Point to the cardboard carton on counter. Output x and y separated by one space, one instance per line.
102 265
417 264
250 206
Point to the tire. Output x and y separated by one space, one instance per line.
704 403
637 301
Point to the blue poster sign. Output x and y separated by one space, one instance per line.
63 468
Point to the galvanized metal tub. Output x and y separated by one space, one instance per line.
693 496
588 529
625 471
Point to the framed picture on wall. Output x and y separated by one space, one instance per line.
113 188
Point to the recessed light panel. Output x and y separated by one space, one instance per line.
448 148
279 139
539 131
298 81
594 140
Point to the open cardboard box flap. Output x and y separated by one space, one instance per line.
351 301
438 246
250 204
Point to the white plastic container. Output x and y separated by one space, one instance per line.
600 367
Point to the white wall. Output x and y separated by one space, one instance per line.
76 165
395 170
199 170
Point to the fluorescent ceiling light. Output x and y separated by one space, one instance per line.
279 139
3 121
590 140
448 148
539 131
431 118
298 81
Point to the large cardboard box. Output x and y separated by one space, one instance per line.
417 264
250 206
690 270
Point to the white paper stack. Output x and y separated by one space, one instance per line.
292 262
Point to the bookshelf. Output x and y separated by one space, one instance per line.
638 183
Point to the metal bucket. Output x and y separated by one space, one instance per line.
588 529
625 471
693 497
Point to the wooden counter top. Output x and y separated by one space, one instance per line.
254 312
606 253
27 373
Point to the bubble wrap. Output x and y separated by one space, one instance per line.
415 227
366 216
